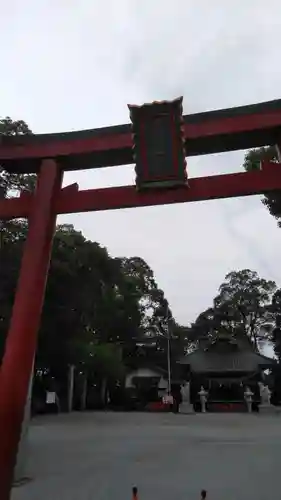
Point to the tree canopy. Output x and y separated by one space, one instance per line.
272 201
91 298
242 307
252 161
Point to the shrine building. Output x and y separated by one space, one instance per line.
225 367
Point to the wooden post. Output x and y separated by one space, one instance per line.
84 392
21 342
71 372
135 495
104 391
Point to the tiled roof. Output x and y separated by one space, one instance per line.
150 366
206 361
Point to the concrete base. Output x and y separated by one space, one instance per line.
186 408
268 410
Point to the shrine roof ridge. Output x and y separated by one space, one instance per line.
207 132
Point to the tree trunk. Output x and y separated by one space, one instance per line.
20 472
71 371
104 391
84 393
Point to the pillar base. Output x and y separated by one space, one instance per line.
268 409
21 482
186 408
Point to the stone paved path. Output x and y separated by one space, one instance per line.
101 456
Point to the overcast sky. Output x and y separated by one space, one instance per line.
68 65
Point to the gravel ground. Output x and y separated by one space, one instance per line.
101 456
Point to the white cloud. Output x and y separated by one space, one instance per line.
68 65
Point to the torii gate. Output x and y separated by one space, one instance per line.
158 143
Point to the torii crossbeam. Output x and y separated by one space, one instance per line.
161 137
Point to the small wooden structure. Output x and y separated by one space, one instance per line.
224 367
150 381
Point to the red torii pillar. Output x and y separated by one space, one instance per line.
21 342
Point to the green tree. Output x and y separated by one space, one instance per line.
252 161
244 300
275 324
107 361
81 296
11 182
208 324
242 307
